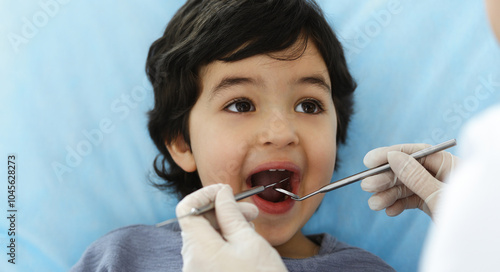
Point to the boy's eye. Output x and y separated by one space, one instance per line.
240 105
310 106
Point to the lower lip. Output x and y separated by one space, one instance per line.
273 207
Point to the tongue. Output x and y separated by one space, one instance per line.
268 177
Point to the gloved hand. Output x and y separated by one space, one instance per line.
235 246
410 184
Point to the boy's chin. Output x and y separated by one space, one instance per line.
274 235
277 241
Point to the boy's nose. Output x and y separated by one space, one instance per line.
278 130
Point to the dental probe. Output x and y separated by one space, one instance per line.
370 172
210 206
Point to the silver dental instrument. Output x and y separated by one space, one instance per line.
210 206
370 172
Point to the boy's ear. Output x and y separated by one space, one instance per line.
181 153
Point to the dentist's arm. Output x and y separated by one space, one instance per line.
225 241
410 184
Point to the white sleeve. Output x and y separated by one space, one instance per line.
466 236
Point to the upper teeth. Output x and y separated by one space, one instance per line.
276 170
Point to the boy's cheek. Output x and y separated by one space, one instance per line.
220 169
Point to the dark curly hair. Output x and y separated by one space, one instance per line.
203 31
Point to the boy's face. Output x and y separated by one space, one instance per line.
493 8
259 114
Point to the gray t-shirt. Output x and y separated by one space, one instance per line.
147 248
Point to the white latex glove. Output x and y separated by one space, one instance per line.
410 184
235 246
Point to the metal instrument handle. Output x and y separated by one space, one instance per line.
376 170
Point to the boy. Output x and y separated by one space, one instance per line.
247 93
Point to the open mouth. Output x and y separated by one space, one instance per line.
270 176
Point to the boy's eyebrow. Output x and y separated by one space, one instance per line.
317 80
228 82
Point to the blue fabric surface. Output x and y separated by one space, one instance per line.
74 98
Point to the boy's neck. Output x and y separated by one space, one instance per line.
298 247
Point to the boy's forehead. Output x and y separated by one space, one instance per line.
308 57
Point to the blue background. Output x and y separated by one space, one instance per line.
74 97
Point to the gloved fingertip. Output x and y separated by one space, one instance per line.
375 203
393 212
389 213
367 186
363 184
368 159
249 210
226 187
396 156
374 158
254 209
225 191
376 184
